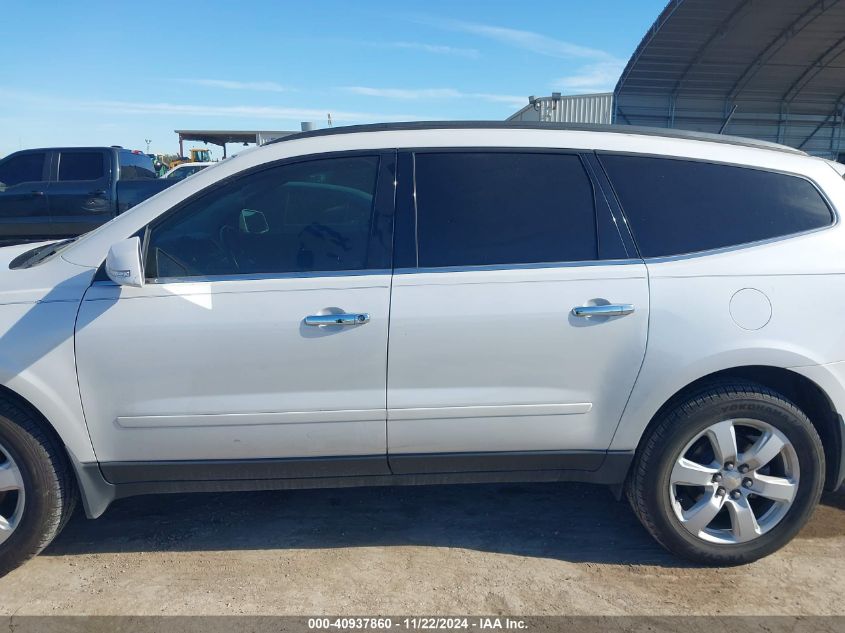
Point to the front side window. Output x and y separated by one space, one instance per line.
679 206
485 208
81 166
22 168
313 216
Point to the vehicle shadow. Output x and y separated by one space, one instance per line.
572 522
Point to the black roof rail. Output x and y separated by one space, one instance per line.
528 125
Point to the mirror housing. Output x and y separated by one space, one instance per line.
123 263
253 222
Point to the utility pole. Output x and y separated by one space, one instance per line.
148 141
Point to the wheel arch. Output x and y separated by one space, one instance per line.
11 395
801 390
94 492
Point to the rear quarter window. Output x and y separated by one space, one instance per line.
135 166
676 206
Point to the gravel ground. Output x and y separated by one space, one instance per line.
492 549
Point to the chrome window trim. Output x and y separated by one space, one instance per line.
257 277
531 266
736 247
380 272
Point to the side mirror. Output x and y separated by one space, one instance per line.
254 222
123 263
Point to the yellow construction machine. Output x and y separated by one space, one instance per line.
198 155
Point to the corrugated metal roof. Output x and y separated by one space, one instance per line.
778 64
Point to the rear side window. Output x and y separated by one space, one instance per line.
22 168
677 206
135 166
81 166
483 208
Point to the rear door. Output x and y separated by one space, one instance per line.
81 194
518 315
23 195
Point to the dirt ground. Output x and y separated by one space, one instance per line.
492 549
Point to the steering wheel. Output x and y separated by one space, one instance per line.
227 238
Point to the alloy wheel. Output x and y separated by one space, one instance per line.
734 481
12 495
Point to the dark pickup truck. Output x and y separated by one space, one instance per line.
66 191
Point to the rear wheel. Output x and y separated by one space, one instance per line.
728 475
37 495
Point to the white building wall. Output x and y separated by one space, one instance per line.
595 109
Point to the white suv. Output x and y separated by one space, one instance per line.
433 303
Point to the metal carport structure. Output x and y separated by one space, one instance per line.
772 70
221 137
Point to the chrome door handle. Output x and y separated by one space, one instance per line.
620 309
337 319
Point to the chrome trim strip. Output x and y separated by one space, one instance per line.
325 320
257 277
537 266
611 310
496 411
739 247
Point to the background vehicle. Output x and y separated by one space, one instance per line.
616 306
182 171
197 155
62 192
159 164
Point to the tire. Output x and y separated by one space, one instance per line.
49 491
781 494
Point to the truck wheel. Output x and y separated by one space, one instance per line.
728 474
37 493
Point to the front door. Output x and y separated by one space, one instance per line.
517 332
258 347
23 196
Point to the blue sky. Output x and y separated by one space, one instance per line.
103 73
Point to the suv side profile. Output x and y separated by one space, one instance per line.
444 303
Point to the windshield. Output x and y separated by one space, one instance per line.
180 173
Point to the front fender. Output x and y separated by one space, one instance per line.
38 308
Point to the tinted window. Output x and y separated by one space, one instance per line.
304 217
135 166
503 208
81 166
677 206
22 168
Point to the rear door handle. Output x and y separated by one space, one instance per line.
337 319
616 309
